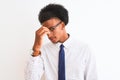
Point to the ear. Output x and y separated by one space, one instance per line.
63 25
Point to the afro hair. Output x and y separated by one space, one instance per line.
53 10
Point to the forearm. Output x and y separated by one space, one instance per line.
34 68
36 49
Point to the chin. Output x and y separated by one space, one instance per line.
54 41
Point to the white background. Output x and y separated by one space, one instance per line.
95 22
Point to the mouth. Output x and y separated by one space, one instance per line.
52 39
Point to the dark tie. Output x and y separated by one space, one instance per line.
61 65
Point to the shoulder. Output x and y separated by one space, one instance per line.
78 43
82 47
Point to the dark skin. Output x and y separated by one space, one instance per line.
59 34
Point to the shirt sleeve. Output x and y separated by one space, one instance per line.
34 68
90 71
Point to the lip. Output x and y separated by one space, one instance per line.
52 39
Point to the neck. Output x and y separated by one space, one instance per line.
64 38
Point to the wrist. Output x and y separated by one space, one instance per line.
36 48
36 53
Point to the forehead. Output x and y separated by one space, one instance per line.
51 22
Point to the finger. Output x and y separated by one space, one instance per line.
44 33
40 31
45 29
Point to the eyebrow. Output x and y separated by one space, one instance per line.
53 27
57 24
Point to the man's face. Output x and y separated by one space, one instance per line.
55 27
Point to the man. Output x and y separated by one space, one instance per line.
63 58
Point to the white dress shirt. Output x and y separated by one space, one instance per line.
79 62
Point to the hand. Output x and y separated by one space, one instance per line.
40 33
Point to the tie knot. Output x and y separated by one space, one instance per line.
61 46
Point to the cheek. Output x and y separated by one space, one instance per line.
57 33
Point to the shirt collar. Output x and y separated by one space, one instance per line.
66 44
